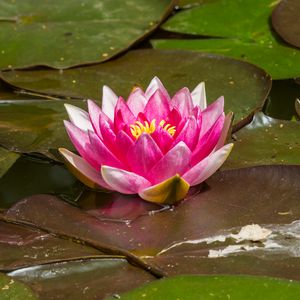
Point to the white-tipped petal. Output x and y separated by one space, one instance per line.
199 96
79 117
83 171
207 166
109 101
124 181
154 85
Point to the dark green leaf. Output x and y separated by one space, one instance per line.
244 86
245 31
266 141
63 33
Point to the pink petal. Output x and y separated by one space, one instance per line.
174 117
83 171
103 155
78 117
81 141
183 102
123 115
143 155
108 135
189 133
211 114
176 161
155 85
123 181
199 96
157 107
162 138
109 101
123 144
95 113
225 133
208 142
137 101
207 166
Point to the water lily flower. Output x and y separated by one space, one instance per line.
152 145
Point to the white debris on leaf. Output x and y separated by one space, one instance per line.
254 233
231 249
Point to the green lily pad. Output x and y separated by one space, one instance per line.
202 225
11 289
45 177
241 30
216 287
34 126
265 141
82 280
62 34
7 159
285 20
244 86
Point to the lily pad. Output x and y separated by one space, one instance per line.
216 287
244 86
45 177
34 126
241 30
265 141
23 246
80 280
11 289
7 159
285 20
206 221
67 33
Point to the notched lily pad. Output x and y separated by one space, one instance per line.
66 33
286 22
218 287
244 86
265 141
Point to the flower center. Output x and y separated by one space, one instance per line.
138 128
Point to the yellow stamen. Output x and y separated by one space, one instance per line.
138 128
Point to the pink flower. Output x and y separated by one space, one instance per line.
151 145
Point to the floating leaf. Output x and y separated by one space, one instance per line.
34 126
244 86
216 287
67 33
265 141
180 240
245 32
285 20
80 280
11 289
24 246
7 159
